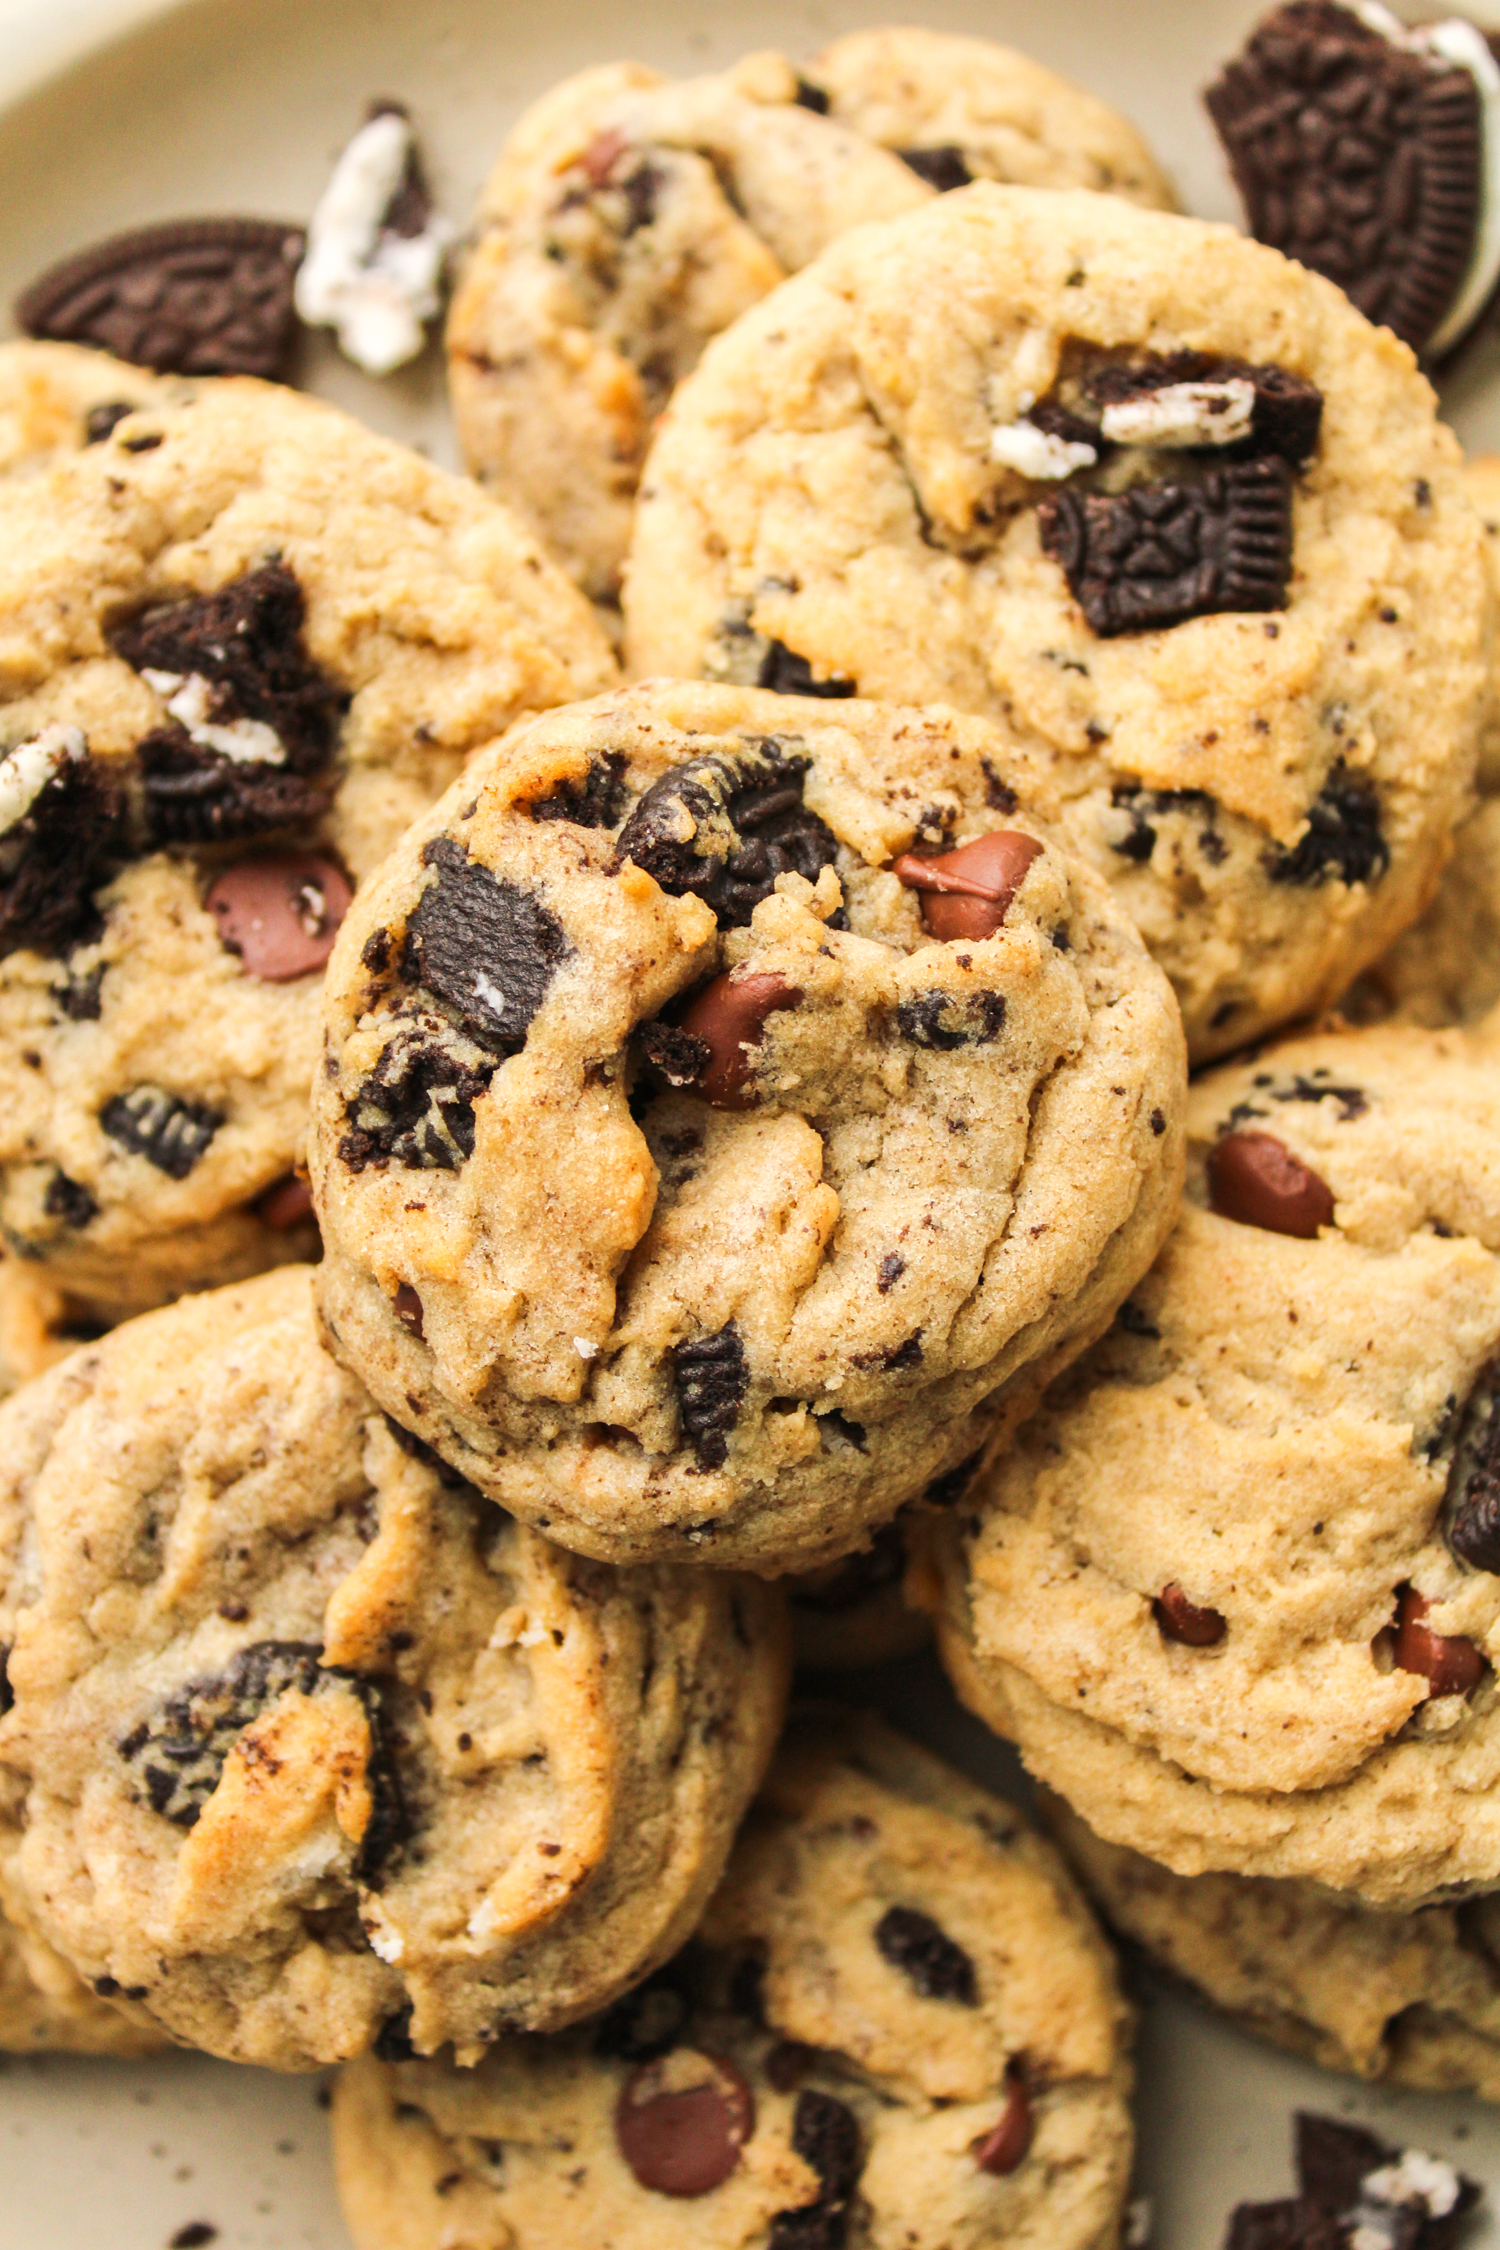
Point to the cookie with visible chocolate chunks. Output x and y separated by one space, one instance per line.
1235 1591
250 642
734 1105
898 2023
56 399
344 1753
1161 502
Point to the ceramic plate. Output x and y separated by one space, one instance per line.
115 112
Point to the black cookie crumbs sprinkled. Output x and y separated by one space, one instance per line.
169 1132
725 828
945 1021
482 946
600 801
7 1692
998 793
943 167
786 673
1343 838
417 1106
69 1201
679 1057
194 2235
1352 1100
712 1377
926 1956
1163 552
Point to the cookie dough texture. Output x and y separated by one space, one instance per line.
49 392
1446 968
46 2008
826 481
906 2087
1409 1998
309 1742
1272 1426
655 1327
991 112
630 218
428 621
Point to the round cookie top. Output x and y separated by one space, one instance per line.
958 109
733 1105
244 643
898 2023
1236 1590
308 1744
57 398
1411 1998
629 218
1162 502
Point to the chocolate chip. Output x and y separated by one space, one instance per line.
946 1021
727 1021
1454 1666
1256 1180
407 1306
784 672
280 913
1471 1505
675 1054
285 1205
55 856
967 893
1357 157
944 167
1286 418
68 1201
926 1956
1178 1619
168 1131
1160 553
417 1106
191 297
809 96
711 1377
1343 838
597 804
101 422
1005 2147
892 1267
723 828
826 2135
684 2138
482 946
646 2023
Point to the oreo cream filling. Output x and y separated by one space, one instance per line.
375 285
26 770
189 699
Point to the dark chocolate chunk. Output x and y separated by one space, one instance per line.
786 673
1358 157
943 167
892 1267
1006 2146
684 2140
724 828
809 96
417 1106
169 1132
1343 838
1452 1665
926 1956
967 893
679 1057
280 912
194 796
728 1021
1160 553
949 1020
647 2023
191 297
597 803
55 856
481 946
101 422
826 2135
1287 418
711 1377
1178 1619
1256 1180
69 1201
1471 1504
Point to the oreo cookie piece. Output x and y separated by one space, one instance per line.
482 947
169 1132
1159 553
1360 149
190 297
725 828
61 820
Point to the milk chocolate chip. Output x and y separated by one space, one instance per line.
284 1205
280 912
1006 2145
682 2122
967 893
1256 1180
729 1017
1453 1665
1178 1619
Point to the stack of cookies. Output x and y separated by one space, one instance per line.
594 1093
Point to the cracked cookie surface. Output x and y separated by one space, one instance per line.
308 1744
897 2023
733 1105
1164 503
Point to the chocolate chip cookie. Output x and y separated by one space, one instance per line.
897 2024
1410 1998
46 2008
1236 1591
308 1745
1162 502
734 1105
58 398
629 218
245 643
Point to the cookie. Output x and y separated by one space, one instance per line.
45 2008
855 1613
1235 1591
309 1745
1446 968
629 218
898 2024
1371 153
1413 1999
245 643
959 109
1164 505
734 1105
57 398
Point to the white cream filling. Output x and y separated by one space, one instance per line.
1183 414
189 700
377 290
26 770
1414 2178
1034 453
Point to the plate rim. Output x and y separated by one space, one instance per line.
40 40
